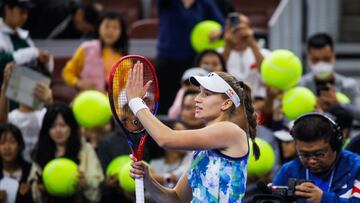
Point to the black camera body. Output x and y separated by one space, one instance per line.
278 194
288 192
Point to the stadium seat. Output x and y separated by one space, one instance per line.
130 9
61 92
144 29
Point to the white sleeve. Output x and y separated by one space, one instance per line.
25 55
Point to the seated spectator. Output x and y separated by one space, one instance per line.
243 55
59 137
334 173
187 114
175 108
168 169
12 164
286 143
344 119
323 79
15 43
92 62
26 118
211 60
79 24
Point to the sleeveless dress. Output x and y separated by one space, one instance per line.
215 177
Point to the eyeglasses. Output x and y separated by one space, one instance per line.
316 155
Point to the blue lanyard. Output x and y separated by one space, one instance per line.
330 181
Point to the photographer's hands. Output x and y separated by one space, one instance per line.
328 98
309 191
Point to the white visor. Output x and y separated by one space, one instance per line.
213 82
284 135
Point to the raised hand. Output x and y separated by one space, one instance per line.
135 85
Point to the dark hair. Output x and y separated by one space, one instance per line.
319 41
11 5
45 148
313 128
121 44
16 133
91 12
244 92
343 117
201 55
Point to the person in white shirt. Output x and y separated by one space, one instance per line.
243 55
27 119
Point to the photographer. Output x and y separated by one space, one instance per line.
332 174
324 81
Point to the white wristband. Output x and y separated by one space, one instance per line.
136 104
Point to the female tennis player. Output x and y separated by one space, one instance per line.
219 167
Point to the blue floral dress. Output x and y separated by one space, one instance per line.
215 177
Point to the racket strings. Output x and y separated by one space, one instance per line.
119 89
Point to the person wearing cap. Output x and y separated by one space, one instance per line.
286 143
15 43
219 167
175 109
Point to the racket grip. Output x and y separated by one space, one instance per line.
139 190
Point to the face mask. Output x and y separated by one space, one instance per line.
322 70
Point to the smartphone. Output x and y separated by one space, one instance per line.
321 87
234 19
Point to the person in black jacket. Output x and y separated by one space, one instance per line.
12 164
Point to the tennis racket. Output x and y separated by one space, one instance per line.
123 114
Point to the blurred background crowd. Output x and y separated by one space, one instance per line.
73 44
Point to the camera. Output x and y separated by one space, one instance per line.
234 19
281 194
288 192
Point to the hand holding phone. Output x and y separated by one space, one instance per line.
233 19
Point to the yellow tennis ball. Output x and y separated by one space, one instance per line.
297 101
200 36
91 109
264 164
126 182
282 69
342 98
117 164
60 177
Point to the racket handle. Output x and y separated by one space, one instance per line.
139 190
